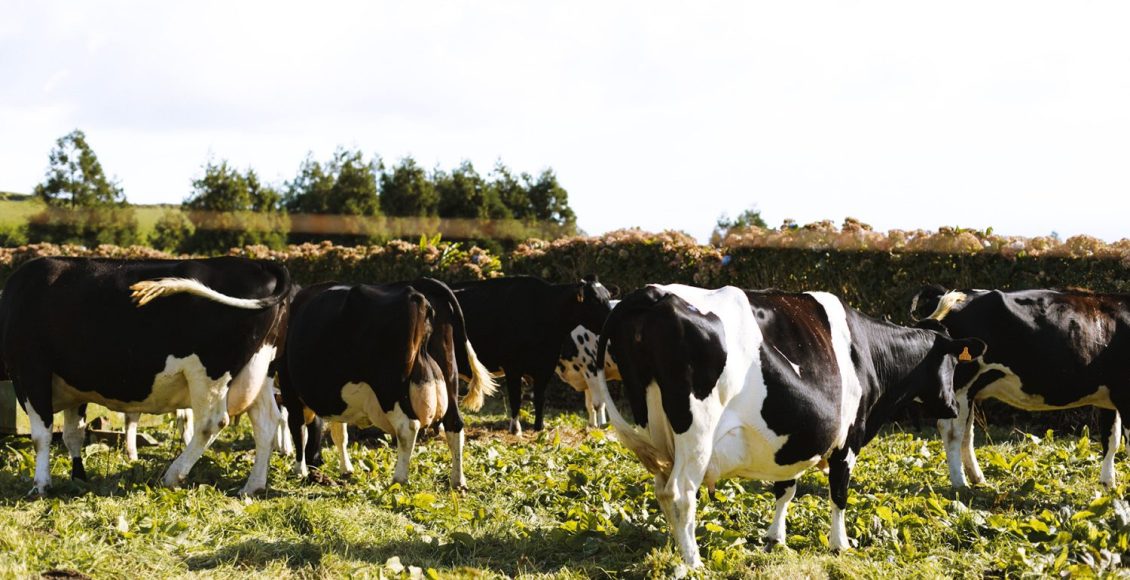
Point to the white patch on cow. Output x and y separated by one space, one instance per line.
41 438
249 381
283 442
300 469
576 372
849 459
777 530
946 304
362 408
339 287
838 539
851 391
168 392
183 424
1107 475
515 426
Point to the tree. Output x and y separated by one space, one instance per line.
229 209
748 218
344 186
83 205
464 194
549 202
406 191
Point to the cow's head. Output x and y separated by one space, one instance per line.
590 303
934 380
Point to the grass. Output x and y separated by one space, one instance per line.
565 503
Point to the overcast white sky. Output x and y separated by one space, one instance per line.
903 114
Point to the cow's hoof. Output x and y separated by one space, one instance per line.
172 481
515 427
39 491
249 491
459 485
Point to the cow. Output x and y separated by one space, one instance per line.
763 385
519 324
382 355
577 368
148 336
1048 349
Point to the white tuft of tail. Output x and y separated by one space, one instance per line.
482 385
632 437
946 303
148 290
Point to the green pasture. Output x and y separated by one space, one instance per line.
565 503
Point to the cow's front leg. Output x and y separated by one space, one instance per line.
541 381
74 435
131 419
784 491
594 419
968 457
953 433
264 413
339 432
839 475
1110 431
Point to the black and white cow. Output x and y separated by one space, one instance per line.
381 355
577 368
519 324
148 336
763 385
1048 349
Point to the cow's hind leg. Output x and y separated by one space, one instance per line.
840 465
405 430
541 381
209 411
264 413
340 435
514 396
74 435
452 424
1110 431
681 491
131 419
34 391
784 491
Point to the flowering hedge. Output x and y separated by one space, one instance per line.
309 263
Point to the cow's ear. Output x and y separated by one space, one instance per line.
581 293
967 349
613 290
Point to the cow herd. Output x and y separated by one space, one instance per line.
721 383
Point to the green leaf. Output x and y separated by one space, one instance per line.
1038 526
713 527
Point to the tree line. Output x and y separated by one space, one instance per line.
227 207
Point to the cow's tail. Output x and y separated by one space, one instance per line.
146 291
418 328
634 438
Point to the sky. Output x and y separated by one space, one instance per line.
658 115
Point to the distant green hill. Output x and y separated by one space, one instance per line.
15 209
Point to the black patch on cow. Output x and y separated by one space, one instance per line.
805 407
656 336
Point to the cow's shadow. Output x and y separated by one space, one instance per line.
527 555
